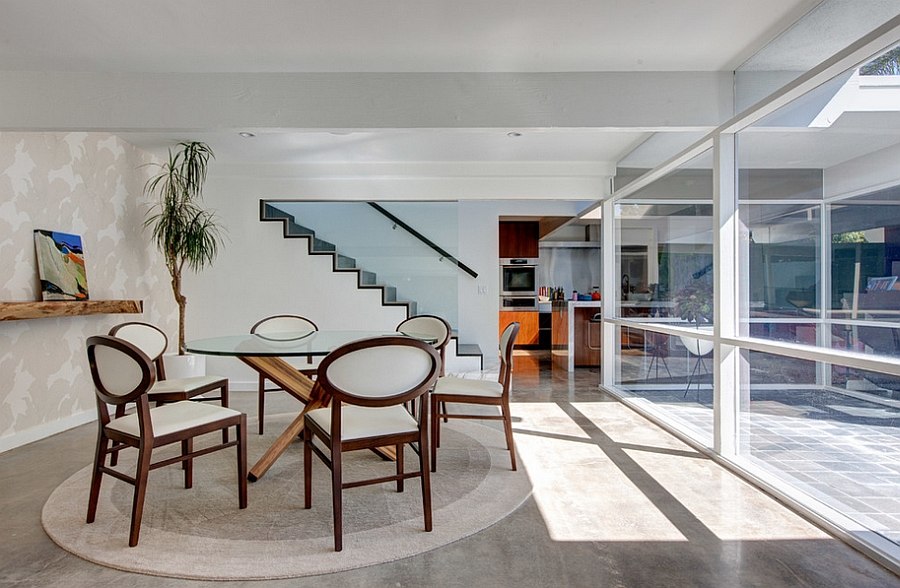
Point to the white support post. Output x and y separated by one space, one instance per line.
610 289
726 268
823 327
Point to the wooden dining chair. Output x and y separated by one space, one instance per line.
450 389
153 342
282 323
368 382
122 375
434 327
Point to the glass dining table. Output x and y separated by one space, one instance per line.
265 354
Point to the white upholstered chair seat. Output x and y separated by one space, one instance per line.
359 422
184 384
171 418
466 387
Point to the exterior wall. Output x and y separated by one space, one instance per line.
89 184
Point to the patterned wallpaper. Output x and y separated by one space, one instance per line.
90 184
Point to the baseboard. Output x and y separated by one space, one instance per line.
45 430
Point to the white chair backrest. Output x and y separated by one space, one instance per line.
374 369
284 323
146 337
119 370
429 325
507 342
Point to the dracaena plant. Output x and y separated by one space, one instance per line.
187 235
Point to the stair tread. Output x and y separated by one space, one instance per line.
468 349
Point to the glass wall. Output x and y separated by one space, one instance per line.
819 202
663 236
789 230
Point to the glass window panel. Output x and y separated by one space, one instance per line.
835 442
672 373
664 247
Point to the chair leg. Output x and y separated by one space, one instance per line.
694 371
262 402
399 461
242 461
435 427
507 426
336 495
444 410
424 468
224 398
140 490
307 468
97 476
114 456
187 446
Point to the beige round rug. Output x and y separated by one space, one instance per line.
201 534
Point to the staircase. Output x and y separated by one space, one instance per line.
460 357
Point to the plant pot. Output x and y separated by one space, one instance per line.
184 366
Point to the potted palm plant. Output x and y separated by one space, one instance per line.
186 234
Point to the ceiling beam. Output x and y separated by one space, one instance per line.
60 101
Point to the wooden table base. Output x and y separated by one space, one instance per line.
303 389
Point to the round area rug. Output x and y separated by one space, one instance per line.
200 533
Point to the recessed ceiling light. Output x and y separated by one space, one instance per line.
246 135
514 134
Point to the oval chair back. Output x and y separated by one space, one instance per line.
120 370
507 342
279 323
148 338
381 371
284 323
432 326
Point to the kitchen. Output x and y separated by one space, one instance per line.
550 284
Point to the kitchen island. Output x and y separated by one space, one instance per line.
575 338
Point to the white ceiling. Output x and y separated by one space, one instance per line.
236 36
388 35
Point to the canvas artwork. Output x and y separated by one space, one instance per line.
60 260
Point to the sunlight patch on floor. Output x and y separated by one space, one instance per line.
580 492
729 507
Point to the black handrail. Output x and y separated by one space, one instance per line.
423 238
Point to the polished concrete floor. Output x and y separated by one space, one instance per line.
617 503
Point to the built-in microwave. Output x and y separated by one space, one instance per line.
518 277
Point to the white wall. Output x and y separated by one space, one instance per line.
90 185
260 273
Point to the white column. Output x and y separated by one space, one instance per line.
726 268
610 289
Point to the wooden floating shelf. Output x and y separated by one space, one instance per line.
15 311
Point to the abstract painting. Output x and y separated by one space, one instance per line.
60 260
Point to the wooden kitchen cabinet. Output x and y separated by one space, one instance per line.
519 239
528 325
587 338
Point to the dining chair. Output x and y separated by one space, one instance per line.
432 326
122 375
368 381
153 342
451 389
282 323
